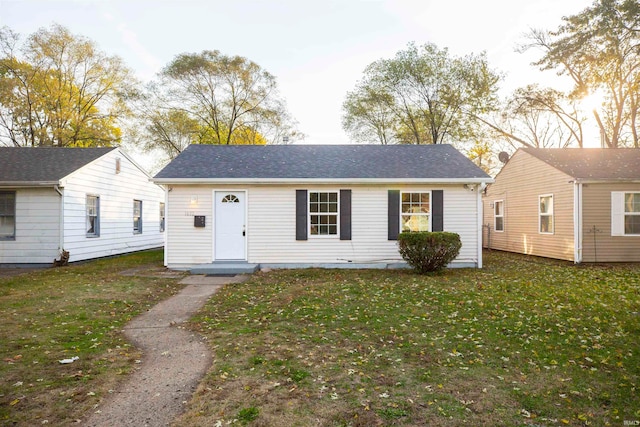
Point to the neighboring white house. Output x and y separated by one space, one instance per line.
317 205
91 202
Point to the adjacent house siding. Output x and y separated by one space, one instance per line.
519 184
271 225
598 245
37 228
117 192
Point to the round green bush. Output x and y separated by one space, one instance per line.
429 251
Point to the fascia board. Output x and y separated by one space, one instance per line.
298 181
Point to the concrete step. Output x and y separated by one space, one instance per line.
225 268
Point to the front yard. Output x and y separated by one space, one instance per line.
525 341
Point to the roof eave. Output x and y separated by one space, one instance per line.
607 180
267 181
27 184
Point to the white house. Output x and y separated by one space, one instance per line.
90 202
284 206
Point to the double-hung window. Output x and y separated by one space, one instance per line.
323 213
415 211
137 217
631 213
545 214
498 215
7 215
625 213
93 215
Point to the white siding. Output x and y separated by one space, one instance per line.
117 192
37 228
186 244
271 225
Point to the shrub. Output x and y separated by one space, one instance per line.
425 251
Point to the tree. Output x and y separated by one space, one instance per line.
58 89
539 117
210 98
599 49
421 96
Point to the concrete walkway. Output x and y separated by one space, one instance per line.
174 360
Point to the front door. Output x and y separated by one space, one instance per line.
229 225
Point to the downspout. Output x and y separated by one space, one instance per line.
60 191
167 189
480 218
577 222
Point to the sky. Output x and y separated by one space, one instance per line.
317 50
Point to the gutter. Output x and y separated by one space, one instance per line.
27 184
299 181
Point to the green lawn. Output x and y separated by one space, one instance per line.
55 314
525 341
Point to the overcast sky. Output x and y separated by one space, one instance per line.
316 49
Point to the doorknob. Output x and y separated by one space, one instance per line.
244 233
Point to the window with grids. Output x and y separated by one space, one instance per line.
632 213
415 211
93 216
323 213
7 215
498 215
545 211
137 216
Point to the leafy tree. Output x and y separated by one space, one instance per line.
599 49
58 89
421 96
210 98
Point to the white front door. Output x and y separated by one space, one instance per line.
229 225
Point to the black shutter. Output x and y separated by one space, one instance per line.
394 214
345 214
301 214
437 211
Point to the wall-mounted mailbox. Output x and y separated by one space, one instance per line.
198 221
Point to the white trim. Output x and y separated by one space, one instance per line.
430 214
552 215
495 228
301 181
619 213
309 213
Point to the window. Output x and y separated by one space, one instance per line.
161 217
230 198
415 212
137 217
545 211
7 215
498 215
323 213
117 165
631 213
93 216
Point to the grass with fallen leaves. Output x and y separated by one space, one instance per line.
525 341
75 311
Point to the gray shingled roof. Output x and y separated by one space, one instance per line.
43 164
605 164
321 162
